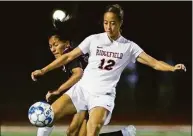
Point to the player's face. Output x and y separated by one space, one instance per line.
57 46
111 25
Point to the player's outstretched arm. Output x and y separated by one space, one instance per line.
158 65
64 59
75 77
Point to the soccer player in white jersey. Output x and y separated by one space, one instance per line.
109 54
73 71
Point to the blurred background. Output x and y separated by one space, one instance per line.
144 96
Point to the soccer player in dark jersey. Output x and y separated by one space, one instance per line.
73 71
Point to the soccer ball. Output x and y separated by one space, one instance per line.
41 114
59 18
60 15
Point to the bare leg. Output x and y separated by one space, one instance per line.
96 120
61 107
82 131
76 123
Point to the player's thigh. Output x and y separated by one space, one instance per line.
97 116
63 106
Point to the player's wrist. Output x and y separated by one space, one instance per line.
172 69
43 71
59 91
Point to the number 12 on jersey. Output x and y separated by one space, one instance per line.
107 64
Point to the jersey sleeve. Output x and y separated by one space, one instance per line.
74 64
135 51
85 45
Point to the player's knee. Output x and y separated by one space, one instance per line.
55 115
94 127
57 112
97 126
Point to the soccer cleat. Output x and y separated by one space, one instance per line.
129 131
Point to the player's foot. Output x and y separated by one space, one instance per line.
129 131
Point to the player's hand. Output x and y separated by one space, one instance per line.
36 74
179 67
50 95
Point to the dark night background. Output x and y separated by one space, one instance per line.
161 28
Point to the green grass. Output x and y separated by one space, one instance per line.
28 134
161 133
139 133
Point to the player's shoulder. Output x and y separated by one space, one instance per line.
97 36
124 40
73 44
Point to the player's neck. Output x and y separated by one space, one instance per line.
114 38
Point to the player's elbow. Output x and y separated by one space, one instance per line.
78 73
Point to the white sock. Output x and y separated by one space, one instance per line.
124 132
44 131
129 131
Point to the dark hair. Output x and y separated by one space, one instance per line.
116 9
58 34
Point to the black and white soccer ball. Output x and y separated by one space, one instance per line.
41 114
59 17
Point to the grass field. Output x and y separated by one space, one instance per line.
141 130
140 133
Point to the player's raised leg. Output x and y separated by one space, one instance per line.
61 107
97 117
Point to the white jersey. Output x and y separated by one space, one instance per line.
107 60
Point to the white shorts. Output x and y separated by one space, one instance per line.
83 100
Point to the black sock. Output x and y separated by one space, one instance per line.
115 133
